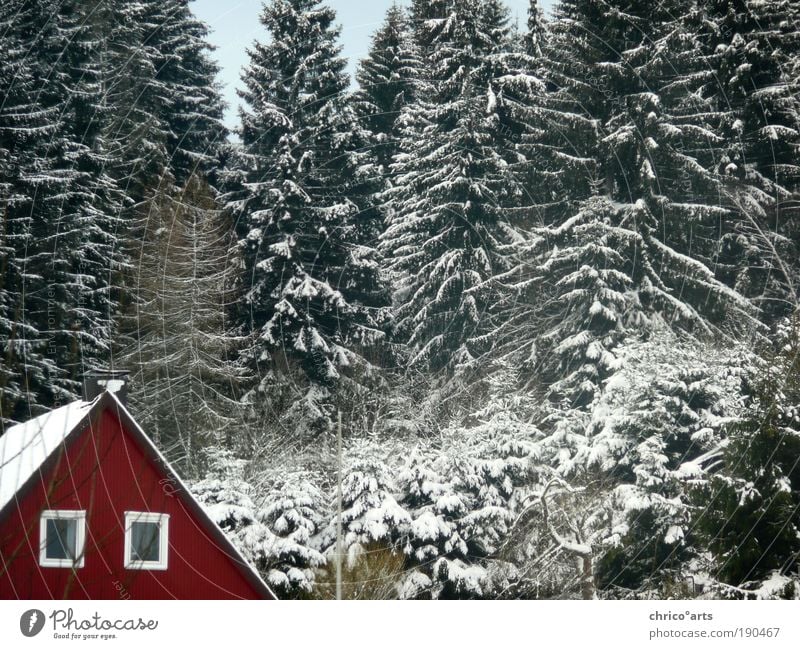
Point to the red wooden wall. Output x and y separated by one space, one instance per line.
104 472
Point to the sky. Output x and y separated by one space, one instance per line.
234 26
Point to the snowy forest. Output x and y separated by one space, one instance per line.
544 271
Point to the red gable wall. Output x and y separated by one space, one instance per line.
106 473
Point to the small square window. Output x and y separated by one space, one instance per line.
146 540
62 534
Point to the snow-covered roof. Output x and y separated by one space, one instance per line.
25 447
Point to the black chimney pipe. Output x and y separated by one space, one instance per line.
97 380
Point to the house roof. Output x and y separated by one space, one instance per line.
28 449
25 447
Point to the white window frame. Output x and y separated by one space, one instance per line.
78 515
163 540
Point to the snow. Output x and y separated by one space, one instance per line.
25 447
429 527
773 585
415 583
491 103
466 577
477 271
674 534
112 385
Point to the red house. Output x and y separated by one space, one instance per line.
90 509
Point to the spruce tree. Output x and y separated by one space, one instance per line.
184 381
87 129
293 511
427 18
651 431
167 107
635 242
537 31
311 285
748 508
92 207
166 134
386 80
371 516
448 221
193 106
26 126
751 48
137 131
74 203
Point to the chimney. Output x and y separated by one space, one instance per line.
96 381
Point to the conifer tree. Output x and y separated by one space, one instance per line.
536 34
427 17
26 126
748 514
272 526
750 48
184 380
75 204
294 512
651 432
635 242
93 149
448 223
193 107
311 284
370 513
167 108
136 129
166 135
386 80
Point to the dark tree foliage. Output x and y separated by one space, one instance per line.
748 510
312 284
448 225
26 126
750 48
387 81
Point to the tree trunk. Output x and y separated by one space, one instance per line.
587 577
